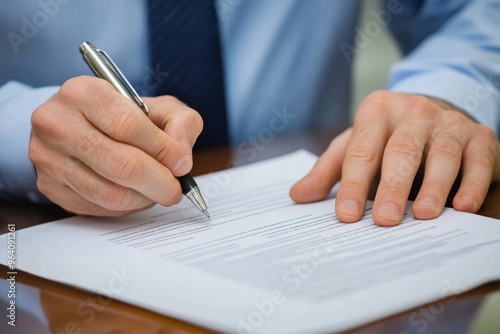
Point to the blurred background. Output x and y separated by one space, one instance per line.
372 63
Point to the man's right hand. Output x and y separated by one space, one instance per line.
97 153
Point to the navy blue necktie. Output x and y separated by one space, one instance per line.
184 41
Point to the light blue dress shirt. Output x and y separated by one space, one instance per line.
287 62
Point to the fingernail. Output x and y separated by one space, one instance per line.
183 166
389 211
349 207
429 203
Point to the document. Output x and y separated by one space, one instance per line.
264 264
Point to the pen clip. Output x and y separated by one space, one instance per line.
124 81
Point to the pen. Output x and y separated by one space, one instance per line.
103 67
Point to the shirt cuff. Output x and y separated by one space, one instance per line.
479 99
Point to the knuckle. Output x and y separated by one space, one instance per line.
196 121
490 145
127 167
487 133
392 187
362 152
121 123
169 99
171 102
41 186
455 119
395 183
78 88
448 145
188 121
436 188
163 149
420 108
122 119
43 123
69 87
49 188
484 162
421 105
74 94
44 187
72 89
113 198
475 187
353 186
378 97
407 150
35 152
375 102
38 119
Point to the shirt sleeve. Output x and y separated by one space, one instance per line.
452 52
17 175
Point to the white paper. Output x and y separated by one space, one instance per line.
264 264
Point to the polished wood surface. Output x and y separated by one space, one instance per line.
70 310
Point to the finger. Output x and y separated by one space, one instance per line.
64 127
129 167
441 170
318 183
72 173
481 165
401 160
177 119
120 163
123 121
100 191
362 160
75 203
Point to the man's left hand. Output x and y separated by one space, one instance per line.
395 134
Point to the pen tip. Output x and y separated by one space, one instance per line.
207 214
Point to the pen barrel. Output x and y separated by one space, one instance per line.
104 67
187 183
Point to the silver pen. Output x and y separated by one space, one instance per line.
103 67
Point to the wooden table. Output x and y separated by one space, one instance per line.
69 310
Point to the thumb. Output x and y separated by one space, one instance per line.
318 183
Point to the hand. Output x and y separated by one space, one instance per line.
97 153
395 134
